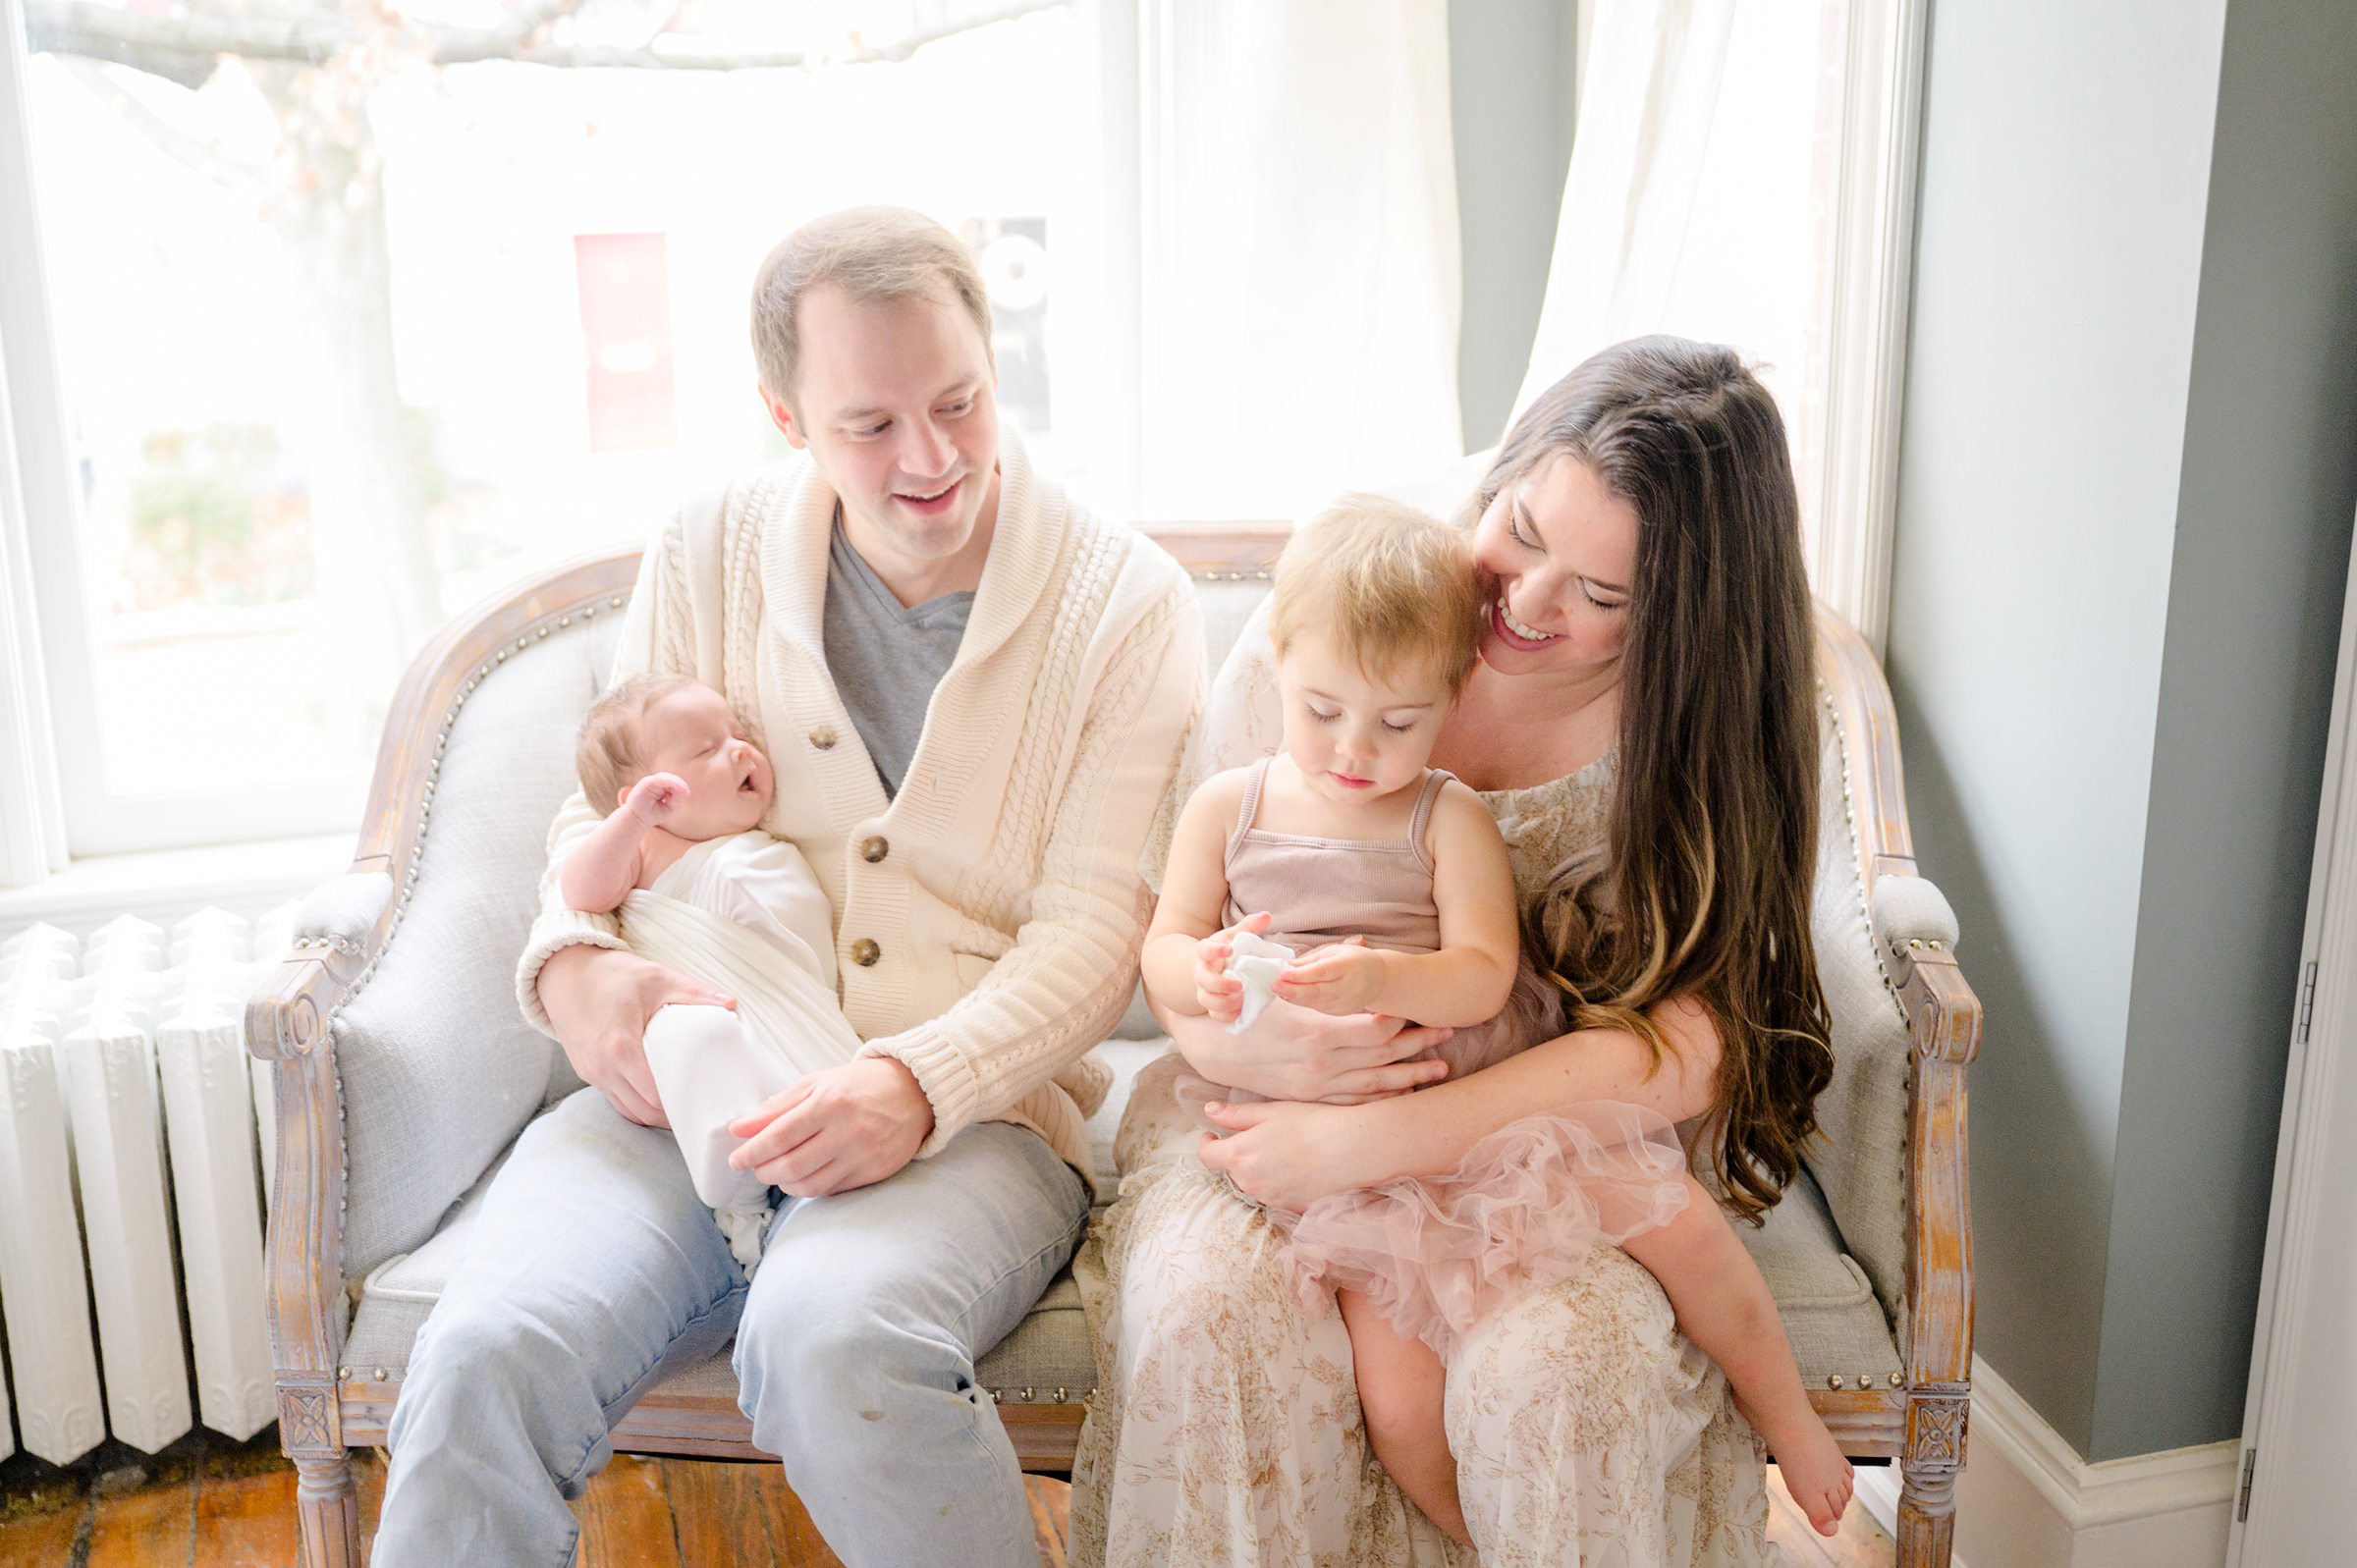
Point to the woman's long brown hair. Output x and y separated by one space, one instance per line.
1702 888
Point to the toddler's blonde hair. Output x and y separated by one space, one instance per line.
1391 585
606 755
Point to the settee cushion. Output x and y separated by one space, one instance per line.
1827 1302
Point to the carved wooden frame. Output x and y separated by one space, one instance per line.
326 1408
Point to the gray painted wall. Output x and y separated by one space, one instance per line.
2127 483
2267 491
1509 93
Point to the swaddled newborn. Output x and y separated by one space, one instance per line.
703 892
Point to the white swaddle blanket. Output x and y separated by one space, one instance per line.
744 915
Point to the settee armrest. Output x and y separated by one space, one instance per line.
1911 914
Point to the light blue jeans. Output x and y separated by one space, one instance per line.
593 1272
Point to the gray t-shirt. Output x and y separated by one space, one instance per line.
886 658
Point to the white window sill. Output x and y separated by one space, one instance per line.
245 878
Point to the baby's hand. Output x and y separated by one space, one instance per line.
653 798
1343 977
1221 994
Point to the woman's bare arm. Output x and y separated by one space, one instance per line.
1433 1134
1292 1155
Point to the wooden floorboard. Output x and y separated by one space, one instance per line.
223 1505
625 1518
43 1540
138 1526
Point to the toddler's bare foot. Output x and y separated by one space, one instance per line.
1819 1479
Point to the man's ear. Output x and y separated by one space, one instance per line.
780 414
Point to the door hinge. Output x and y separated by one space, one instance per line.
2307 1000
2242 1505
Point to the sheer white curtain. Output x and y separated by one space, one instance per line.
1298 251
1709 173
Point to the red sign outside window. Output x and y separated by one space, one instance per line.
625 328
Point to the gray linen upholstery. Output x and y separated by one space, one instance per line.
439 1069
1861 1163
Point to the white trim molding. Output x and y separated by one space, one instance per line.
2026 1499
1874 250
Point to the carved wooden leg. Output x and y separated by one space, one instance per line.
1937 1416
1927 1515
331 1511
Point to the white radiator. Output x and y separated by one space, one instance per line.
133 1155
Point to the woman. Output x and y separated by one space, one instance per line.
1642 725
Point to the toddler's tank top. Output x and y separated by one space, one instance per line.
1379 889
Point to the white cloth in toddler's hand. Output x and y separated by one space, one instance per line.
1257 962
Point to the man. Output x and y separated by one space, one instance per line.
975 696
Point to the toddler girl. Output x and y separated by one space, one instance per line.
1390 881
701 889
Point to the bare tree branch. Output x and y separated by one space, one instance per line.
186 48
203 156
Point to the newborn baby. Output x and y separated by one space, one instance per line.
702 890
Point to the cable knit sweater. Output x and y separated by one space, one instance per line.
987 917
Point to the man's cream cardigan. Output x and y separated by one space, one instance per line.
988 917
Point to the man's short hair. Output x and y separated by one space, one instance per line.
1388 584
871 253
606 756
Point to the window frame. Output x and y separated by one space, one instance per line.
1873 252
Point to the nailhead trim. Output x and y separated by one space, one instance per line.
1857 844
343 945
1264 575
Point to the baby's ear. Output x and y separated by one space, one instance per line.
622 796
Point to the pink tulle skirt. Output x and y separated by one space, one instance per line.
1435 1255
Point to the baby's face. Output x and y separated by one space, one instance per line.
691 732
1357 737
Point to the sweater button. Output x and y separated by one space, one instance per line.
874 849
823 737
865 953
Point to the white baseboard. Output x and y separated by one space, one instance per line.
2025 1499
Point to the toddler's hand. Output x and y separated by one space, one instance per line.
1341 977
653 798
1221 994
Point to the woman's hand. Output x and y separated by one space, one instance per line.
1294 1054
1288 1156
600 1000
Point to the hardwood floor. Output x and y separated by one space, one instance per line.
218 1505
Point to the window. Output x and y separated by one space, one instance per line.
1749 179
343 348
322 323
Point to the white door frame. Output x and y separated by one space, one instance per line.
2299 1429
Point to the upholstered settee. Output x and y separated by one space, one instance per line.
403 1071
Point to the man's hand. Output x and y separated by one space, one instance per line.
600 1000
1339 978
653 798
849 1126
